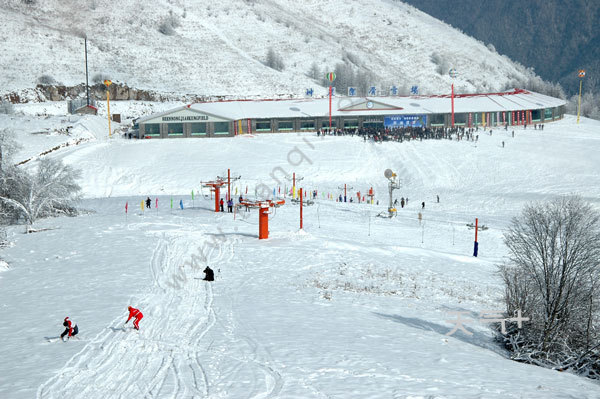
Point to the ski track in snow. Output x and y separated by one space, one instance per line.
170 353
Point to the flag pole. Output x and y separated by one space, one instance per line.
579 101
108 83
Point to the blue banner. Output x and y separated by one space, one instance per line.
405 120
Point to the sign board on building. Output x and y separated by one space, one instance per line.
405 120
185 116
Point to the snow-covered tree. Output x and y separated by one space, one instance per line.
314 72
274 60
553 277
49 190
8 147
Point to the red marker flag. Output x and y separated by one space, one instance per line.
126 205
156 203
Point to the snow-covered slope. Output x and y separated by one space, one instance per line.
219 47
354 306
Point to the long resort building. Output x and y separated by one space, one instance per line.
230 118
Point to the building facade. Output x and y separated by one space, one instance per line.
231 118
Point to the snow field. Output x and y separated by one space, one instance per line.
354 306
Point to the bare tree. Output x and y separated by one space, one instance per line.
8 147
552 276
274 60
441 62
314 72
49 190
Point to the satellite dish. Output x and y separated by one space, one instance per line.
388 173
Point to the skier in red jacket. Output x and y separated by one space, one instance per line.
70 329
136 315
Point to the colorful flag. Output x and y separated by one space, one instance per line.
171 202
142 205
156 203
192 195
126 205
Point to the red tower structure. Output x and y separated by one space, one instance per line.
263 214
215 186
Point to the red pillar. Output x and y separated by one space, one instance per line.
452 97
217 198
344 192
330 93
300 209
228 184
263 221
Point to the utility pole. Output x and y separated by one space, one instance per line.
87 85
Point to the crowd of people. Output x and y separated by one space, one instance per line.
408 133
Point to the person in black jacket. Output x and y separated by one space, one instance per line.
210 275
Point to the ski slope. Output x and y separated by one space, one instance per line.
353 306
220 49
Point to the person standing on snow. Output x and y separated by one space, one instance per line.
71 329
136 315
148 203
230 205
222 203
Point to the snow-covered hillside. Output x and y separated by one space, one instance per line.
219 47
353 306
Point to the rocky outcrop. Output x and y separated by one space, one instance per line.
118 91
